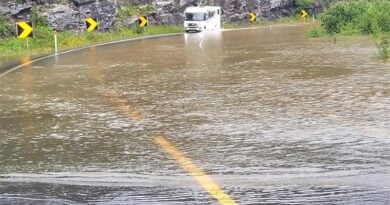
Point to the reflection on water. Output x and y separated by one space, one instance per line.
270 115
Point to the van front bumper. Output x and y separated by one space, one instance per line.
193 29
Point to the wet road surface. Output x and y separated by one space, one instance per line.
270 116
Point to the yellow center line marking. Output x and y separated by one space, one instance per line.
122 104
26 62
205 181
115 99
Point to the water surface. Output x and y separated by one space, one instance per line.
272 116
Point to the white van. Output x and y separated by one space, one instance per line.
202 18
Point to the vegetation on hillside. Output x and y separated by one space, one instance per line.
296 19
6 29
361 17
303 3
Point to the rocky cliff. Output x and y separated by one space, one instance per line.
70 14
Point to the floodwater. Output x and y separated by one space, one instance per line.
271 116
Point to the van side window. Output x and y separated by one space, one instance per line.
211 14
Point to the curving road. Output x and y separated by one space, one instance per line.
261 116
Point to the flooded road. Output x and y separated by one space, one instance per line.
271 116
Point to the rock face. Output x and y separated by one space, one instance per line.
102 10
63 17
167 12
64 14
70 14
17 11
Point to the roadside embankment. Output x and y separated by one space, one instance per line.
357 18
43 41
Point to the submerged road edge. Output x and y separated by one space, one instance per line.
11 69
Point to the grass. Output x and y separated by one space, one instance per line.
316 32
383 45
43 41
382 41
284 20
5 27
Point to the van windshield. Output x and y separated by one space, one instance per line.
196 16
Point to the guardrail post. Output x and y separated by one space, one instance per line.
55 43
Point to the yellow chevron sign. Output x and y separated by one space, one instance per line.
252 17
143 21
91 24
303 14
24 29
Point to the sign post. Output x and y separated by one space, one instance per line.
55 43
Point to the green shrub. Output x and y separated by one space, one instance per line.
127 12
361 17
6 29
144 10
316 32
303 3
384 47
38 20
357 17
136 29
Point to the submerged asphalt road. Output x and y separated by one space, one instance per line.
262 116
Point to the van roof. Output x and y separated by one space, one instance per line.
202 8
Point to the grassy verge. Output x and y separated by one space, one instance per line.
43 41
357 18
284 20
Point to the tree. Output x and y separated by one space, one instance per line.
303 3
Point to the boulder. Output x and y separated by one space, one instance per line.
102 10
83 2
63 17
21 11
21 8
167 12
4 11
